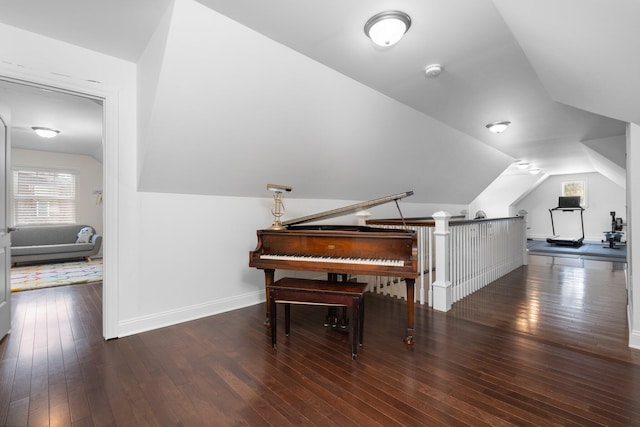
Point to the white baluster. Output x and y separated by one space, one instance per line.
421 258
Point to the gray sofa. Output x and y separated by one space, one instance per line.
46 243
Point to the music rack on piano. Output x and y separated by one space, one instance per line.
340 250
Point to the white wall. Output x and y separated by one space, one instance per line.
603 196
89 179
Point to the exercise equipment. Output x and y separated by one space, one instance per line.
567 204
614 237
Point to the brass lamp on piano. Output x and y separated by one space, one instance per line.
278 204
340 250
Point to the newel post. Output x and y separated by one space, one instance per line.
442 295
525 250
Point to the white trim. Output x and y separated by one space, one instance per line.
634 339
18 166
110 177
5 238
185 314
110 173
634 336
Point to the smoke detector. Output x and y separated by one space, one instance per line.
433 70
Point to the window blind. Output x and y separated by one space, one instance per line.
44 197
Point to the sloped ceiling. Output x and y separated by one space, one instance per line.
229 117
613 149
585 52
487 76
119 28
352 106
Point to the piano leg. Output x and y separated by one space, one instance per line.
410 306
356 339
271 306
268 281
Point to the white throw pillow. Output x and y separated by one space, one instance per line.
84 235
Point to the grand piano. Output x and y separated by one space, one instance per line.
340 250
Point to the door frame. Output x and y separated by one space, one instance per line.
5 282
109 98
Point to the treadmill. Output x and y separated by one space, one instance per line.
567 204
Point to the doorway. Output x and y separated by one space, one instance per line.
92 115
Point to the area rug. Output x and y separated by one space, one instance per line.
587 250
48 275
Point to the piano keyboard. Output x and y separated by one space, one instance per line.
361 261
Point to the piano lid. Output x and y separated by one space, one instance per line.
348 209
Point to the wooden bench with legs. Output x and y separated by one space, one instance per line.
290 290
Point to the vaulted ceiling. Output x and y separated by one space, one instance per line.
566 80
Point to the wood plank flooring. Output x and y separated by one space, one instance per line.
545 345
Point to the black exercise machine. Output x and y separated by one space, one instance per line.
567 204
614 237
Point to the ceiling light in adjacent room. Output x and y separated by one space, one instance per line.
498 127
45 132
387 28
433 70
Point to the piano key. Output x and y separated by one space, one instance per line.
385 262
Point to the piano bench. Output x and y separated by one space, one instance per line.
290 290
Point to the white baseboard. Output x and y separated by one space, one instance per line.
634 339
185 314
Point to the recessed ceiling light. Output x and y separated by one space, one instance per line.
45 132
498 127
387 28
433 70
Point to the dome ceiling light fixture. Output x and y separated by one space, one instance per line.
45 132
433 70
387 28
498 127
522 164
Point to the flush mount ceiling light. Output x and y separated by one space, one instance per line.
498 127
433 70
387 28
45 132
534 171
522 165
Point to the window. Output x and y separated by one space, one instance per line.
44 197
575 188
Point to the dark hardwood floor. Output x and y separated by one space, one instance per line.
544 345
